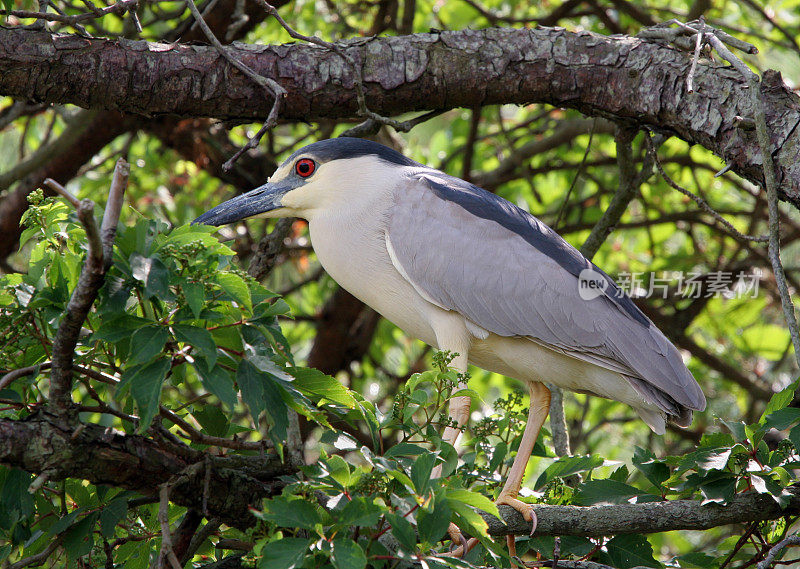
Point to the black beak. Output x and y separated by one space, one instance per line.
261 200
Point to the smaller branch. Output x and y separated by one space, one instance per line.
730 229
90 280
108 229
774 216
234 545
371 126
270 85
698 46
629 184
771 187
575 179
268 249
358 80
773 553
166 552
197 437
39 558
118 8
11 376
62 191
200 537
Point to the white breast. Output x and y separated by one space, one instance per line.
351 246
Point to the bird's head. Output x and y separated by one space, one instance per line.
321 176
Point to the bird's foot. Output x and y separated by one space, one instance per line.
528 514
527 511
463 544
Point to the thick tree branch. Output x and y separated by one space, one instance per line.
102 456
623 78
650 517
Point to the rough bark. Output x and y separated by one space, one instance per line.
622 78
651 517
39 444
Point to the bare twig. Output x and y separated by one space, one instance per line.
119 8
629 184
697 48
358 80
718 42
166 552
108 229
270 246
51 184
39 558
575 179
371 126
774 215
730 229
270 85
201 438
13 375
780 546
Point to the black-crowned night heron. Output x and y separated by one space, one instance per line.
467 271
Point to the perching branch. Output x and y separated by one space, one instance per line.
650 517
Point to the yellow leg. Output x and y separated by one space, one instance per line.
539 408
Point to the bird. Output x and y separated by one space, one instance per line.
467 271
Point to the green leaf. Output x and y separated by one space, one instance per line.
475 500
250 382
286 553
656 471
605 492
198 338
146 381
421 472
318 386
358 512
147 343
195 294
151 272
218 381
79 539
290 513
782 419
627 551
235 287
403 531
568 465
433 525
212 419
112 513
347 554
780 400
119 328
404 449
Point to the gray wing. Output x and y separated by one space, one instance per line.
520 278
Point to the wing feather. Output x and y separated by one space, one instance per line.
521 279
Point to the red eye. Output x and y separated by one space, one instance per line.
305 167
